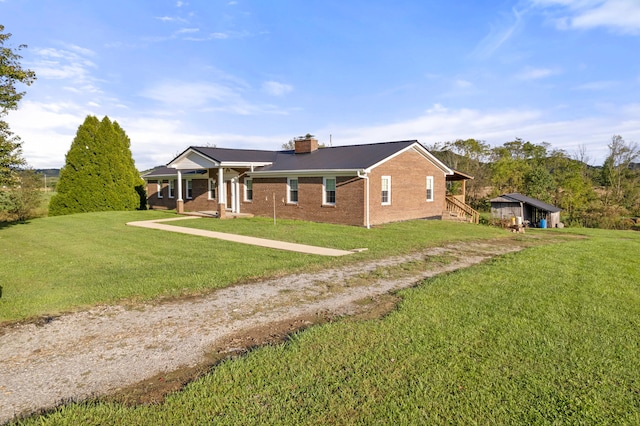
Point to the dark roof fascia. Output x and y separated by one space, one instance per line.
458 175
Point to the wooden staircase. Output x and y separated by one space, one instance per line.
457 210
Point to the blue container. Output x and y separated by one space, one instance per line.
543 223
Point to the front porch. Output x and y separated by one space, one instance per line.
215 214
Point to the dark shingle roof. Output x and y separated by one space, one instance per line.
237 155
517 197
349 157
169 171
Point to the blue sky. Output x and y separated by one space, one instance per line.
255 73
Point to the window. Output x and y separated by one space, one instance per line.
160 182
248 189
329 196
386 190
172 188
212 189
189 188
429 188
292 196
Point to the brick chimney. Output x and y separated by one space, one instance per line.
305 144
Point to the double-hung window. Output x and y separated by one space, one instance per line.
189 188
429 188
292 195
386 190
212 189
248 189
329 193
172 188
159 192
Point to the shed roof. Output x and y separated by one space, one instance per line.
516 197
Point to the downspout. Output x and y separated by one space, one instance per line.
365 176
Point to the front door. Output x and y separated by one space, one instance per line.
229 195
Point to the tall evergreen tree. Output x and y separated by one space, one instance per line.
99 173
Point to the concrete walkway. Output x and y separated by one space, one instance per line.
262 242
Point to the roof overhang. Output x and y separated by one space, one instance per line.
416 146
318 172
192 159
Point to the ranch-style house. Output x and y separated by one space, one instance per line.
360 185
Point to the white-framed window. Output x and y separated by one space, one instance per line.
386 190
212 189
292 193
189 189
329 190
248 189
429 188
172 188
160 189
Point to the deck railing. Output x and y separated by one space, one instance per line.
456 206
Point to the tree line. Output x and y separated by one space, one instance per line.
606 196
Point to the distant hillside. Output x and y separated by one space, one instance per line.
49 172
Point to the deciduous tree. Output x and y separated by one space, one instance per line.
11 74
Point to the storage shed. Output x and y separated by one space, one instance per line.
535 212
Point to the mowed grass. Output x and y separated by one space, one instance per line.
59 264
550 335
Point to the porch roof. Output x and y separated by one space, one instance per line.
516 197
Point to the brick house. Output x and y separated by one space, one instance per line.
360 185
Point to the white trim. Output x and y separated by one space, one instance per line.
324 191
211 185
180 186
421 150
172 188
188 189
246 189
289 179
429 187
191 159
159 193
382 184
298 173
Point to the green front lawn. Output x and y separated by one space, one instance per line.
62 263
549 335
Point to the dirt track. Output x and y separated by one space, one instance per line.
103 350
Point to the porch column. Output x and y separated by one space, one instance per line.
221 198
236 195
179 201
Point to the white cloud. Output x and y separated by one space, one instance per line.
440 124
597 85
463 84
499 35
275 88
71 63
621 16
226 96
535 73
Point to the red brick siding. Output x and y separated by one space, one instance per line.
163 203
200 196
348 209
408 173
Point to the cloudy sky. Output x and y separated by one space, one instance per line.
255 73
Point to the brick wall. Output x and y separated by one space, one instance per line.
348 209
408 173
153 201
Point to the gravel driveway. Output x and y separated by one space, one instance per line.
101 350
